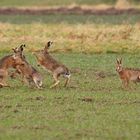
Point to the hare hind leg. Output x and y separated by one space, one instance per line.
67 81
38 83
14 74
55 76
3 79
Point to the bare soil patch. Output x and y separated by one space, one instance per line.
68 10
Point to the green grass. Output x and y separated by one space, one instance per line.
51 3
70 19
61 113
59 2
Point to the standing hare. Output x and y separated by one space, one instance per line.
20 52
51 65
29 74
127 74
10 61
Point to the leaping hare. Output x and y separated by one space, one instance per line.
51 65
127 74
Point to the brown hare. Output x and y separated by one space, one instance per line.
51 65
10 61
127 74
18 50
29 74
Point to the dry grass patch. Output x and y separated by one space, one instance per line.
87 38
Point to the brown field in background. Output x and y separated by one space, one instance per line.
75 9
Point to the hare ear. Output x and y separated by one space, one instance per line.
49 44
46 48
118 61
14 49
121 61
21 47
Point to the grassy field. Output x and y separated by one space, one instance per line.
93 106
60 2
84 33
51 3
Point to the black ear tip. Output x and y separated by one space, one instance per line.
13 49
50 41
22 45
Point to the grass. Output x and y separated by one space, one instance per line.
94 106
71 19
87 34
13 3
64 113
51 3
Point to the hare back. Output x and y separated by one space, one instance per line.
5 59
62 70
133 69
132 74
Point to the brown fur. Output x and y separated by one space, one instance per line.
29 74
127 74
51 65
18 50
10 61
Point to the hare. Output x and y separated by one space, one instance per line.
127 74
10 61
29 74
20 52
51 65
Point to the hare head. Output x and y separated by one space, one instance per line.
19 50
18 59
119 65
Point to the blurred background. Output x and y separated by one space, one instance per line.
60 2
89 26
